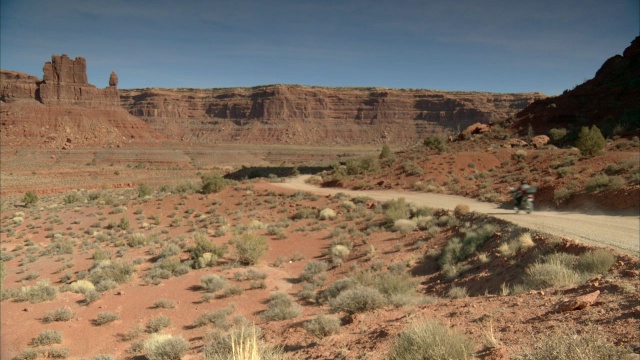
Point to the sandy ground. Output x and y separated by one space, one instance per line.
621 232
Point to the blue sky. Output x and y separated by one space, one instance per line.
476 45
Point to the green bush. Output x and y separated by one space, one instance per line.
458 249
358 299
595 262
362 166
60 314
431 340
250 248
557 135
30 198
144 190
105 317
395 209
213 183
118 271
205 253
165 347
590 141
385 153
47 337
216 318
281 307
435 142
322 325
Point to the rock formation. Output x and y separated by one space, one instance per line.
611 100
64 110
113 79
294 114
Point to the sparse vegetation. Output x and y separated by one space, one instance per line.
281 307
165 347
431 340
47 337
322 325
249 248
60 314
105 317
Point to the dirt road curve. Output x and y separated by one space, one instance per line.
619 232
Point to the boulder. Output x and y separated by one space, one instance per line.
540 141
113 79
578 303
477 128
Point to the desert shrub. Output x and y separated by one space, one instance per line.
213 183
29 354
72 197
80 286
216 318
38 293
512 247
385 153
105 317
57 353
244 342
595 262
461 210
565 171
137 240
106 284
358 299
164 304
458 249
205 253
404 226
60 247
47 337
541 275
362 165
412 169
213 283
322 325
388 283
435 142
333 290
597 183
327 214
60 314
457 292
118 271
590 141
431 340
90 296
232 291
103 357
569 345
557 135
165 347
312 270
561 195
281 307
338 253
158 323
396 209
30 198
250 248
144 190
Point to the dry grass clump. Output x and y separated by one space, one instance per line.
37 293
156 324
165 347
596 262
60 314
164 304
457 292
569 345
105 318
327 214
396 209
461 210
358 299
338 253
216 318
322 325
281 307
404 226
47 337
213 283
250 248
242 343
522 242
431 340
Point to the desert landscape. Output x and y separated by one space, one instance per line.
307 222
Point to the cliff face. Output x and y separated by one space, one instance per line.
611 100
64 110
296 114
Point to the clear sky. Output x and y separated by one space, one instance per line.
477 45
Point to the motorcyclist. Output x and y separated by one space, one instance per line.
520 193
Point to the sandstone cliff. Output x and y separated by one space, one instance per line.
293 114
611 100
64 110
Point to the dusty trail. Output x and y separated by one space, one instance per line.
616 231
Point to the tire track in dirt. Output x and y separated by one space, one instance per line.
620 232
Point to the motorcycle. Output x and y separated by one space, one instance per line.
526 200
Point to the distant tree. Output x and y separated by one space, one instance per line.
30 198
386 152
590 141
144 190
435 142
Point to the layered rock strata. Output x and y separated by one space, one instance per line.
294 114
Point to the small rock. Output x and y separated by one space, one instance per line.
578 303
